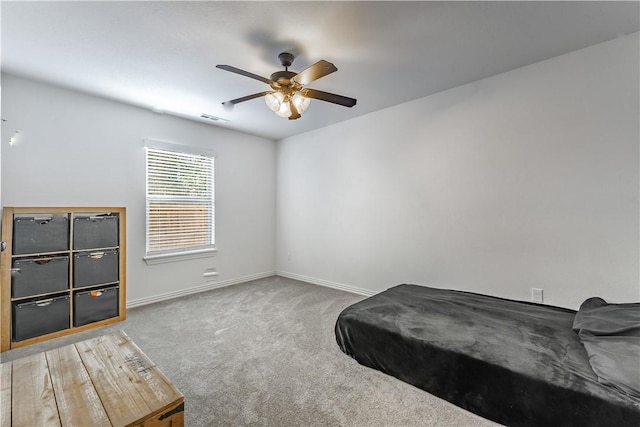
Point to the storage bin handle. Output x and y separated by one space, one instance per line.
43 260
44 302
42 219
96 255
15 270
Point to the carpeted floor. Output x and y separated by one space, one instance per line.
263 353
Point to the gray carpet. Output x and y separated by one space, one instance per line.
263 353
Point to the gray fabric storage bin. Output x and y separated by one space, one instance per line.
96 230
36 233
35 318
95 305
35 276
95 268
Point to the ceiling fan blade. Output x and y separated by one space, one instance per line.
329 97
245 98
245 73
314 72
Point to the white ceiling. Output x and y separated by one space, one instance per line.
163 54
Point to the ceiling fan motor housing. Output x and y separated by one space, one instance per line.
283 78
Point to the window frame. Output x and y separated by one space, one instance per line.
186 253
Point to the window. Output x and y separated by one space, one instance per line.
180 201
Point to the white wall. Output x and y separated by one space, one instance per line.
79 150
525 179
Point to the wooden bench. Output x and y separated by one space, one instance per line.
105 381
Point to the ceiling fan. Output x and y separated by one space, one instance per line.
289 97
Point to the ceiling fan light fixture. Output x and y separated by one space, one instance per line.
301 102
274 101
279 103
284 110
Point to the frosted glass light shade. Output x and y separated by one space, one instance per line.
285 109
301 102
274 101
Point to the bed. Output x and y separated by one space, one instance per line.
516 363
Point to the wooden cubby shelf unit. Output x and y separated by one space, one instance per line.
95 292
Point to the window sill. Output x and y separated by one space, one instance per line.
179 256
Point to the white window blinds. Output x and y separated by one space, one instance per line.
180 201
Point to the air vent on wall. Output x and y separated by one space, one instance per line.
213 118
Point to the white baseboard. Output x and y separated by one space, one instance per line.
327 283
209 286
220 284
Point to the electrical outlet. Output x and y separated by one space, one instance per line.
536 295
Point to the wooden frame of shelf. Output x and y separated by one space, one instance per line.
6 342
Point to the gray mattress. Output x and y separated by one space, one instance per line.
513 362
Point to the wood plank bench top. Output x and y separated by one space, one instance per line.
105 381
